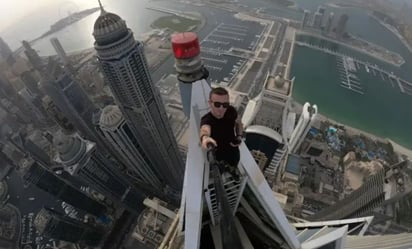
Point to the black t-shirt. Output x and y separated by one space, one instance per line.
223 132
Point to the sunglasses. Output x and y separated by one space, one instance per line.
220 104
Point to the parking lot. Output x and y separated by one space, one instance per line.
222 65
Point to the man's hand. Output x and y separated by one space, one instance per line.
206 140
237 141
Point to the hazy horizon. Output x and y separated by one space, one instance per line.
23 11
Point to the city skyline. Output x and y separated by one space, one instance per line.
108 126
23 9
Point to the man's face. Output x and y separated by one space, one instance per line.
218 105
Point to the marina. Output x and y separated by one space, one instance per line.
220 45
348 65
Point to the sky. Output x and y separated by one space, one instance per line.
14 11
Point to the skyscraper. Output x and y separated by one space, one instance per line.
125 69
305 18
6 89
33 57
117 132
57 115
32 171
36 174
317 20
36 143
270 121
341 26
329 22
321 10
12 102
304 124
34 104
67 103
5 53
60 51
51 224
70 98
31 82
81 159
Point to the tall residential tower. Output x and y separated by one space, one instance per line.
125 68
60 51
117 132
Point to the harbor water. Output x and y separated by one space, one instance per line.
382 110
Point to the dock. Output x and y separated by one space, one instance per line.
351 84
348 80
400 85
382 76
406 86
391 81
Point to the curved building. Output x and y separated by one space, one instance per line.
263 143
117 132
125 69
305 122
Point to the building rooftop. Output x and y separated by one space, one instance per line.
42 219
293 164
278 84
70 148
111 117
109 28
265 131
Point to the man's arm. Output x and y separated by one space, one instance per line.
205 139
238 133
204 131
239 127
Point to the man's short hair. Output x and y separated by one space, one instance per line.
218 91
